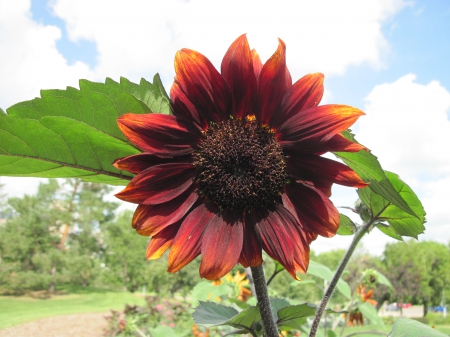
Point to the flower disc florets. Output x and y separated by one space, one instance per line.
240 165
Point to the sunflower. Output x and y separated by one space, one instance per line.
237 168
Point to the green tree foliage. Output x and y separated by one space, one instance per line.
426 264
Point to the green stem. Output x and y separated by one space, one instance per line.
265 309
358 236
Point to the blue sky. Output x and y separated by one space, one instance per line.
389 58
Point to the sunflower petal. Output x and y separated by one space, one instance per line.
277 240
304 94
274 82
237 69
159 134
221 245
312 168
159 184
149 220
183 108
251 255
188 241
257 64
312 209
203 85
142 161
316 125
160 242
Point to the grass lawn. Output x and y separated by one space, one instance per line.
386 329
16 310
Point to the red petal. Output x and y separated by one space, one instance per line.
306 93
159 134
257 64
222 245
187 244
337 143
142 161
316 125
237 69
312 168
203 85
251 255
277 240
159 184
148 220
160 242
183 108
274 82
312 209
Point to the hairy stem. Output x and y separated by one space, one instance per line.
358 236
270 326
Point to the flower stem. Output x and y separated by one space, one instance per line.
358 236
264 306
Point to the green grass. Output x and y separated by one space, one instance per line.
386 329
17 310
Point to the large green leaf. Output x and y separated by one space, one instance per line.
369 169
405 327
401 222
210 313
74 133
325 273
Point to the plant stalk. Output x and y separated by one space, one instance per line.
358 236
265 308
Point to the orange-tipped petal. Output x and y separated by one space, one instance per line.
159 184
149 220
163 135
162 241
312 209
316 125
139 162
187 244
221 245
312 168
237 69
274 82
251 255
304 94
257 64
204 86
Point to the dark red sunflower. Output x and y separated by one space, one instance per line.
237 168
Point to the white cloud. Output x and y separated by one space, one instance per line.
138 37
29 60
407 128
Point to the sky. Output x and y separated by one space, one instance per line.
389 58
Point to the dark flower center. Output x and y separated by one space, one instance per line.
240 165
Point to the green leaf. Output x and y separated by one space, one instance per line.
153 95
369 169
383 280
370 313
277 304
405 327
331 333
401 222
346 226
246 318
74 133
294 312
210 313
325 273
389 231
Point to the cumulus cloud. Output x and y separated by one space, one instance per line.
408 129
29 59
138 37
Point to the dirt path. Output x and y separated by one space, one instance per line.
79 325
